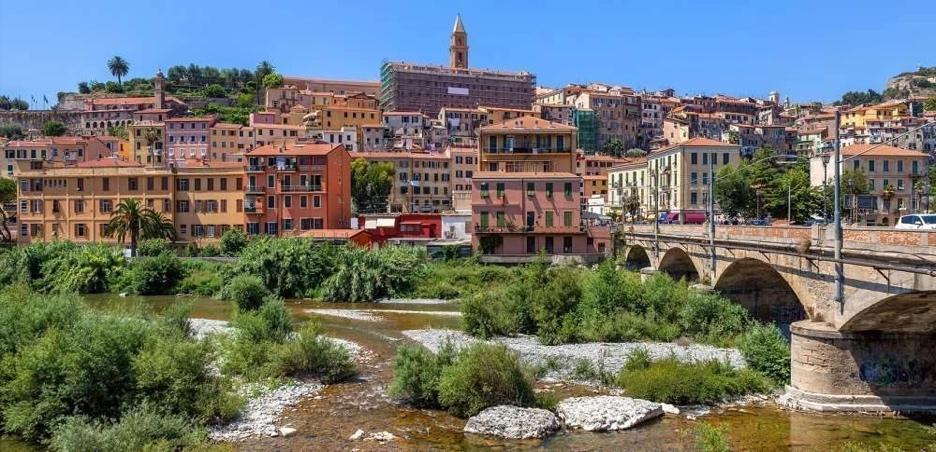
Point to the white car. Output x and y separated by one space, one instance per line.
917 221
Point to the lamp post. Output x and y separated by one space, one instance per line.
825 180
839 294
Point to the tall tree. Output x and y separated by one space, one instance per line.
793 194
7 196
613 147
370 185
734 193
264 68
130 218
118 67
853 183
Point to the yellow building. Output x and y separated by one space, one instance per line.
497 115
75 202
228 142
628 180
857 118
421 180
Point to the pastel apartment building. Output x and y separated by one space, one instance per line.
628 181
525 195
187 138
64 150
421 182
892 174
297 187
228 142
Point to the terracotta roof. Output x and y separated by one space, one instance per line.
400 154
523 175
108 162
294 149
402 113
332 233
226 125
154 110
528 123
190 119
880 151
641 161
198 163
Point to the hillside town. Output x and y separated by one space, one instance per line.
479 157
449 257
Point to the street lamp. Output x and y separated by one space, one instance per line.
825 179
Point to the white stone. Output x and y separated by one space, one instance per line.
356 435
669 409
513 422
286 431
381 437
606 413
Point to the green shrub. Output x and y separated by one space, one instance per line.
552 301
712 317
204 283
367 275
288 267
271 323
485 375
547 400
486 315
417 372
710 438
82 269
84 369
141 428
671 381
233 242
584 371
158 275
311 353
766 350
173 373
174 319
154 247
209 250
246 291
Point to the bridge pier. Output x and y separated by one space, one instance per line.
867 371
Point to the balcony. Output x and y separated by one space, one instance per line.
528 149
254 209
254 169
254 189
286 167
300 188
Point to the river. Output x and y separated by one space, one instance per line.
326 422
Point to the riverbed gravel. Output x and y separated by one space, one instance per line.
606 413
352 314
561 360
202 328
415 301
262 410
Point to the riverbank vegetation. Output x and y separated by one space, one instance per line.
463 382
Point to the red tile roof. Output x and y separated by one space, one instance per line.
523 175
880 151
528 123
108 162
294 149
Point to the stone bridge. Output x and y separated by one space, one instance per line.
874 351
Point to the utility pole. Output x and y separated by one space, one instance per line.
711 206
789 202
656 210
839 295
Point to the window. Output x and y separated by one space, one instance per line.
567 218
182 206
501 220
210 184
271 202
531 189
105 184
79 206
133 184
150 183
567 244
726 157
549 218
693 198
483 220
287 224
223 183
182 184
197 184
105 206
80 230
271 228
500 189
316 201
549 245
305 224
484 189
694 178
870 166
549 189
885 166
164 183
568 189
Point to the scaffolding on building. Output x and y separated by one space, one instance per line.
587 123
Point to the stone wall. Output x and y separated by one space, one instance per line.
842 371
34 119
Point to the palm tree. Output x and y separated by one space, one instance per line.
151 137
263 69
133 219
118 68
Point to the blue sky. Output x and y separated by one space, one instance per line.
808 50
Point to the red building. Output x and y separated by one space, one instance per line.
297 187
408 228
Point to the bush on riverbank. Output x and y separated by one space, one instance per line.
60 359
360 274
461 278
264 346
159 275
464 383
766 350
247 292
671 381
140 428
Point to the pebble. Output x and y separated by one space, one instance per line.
669 409
263 407
608 357
286 431
380 437
358 434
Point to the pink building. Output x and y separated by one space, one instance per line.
187 137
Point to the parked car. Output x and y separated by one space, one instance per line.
917 221
759 222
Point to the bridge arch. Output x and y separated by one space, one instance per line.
909 312
636 258
760 288
677 263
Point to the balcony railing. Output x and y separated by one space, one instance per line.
286 167
528 149
300 188
254 168
253 209
254 189
525 228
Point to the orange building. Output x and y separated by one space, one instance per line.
297 187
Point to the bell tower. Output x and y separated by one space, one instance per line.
458 48
158 94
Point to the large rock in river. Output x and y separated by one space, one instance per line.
513 422
606 413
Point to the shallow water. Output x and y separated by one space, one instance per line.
326 422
